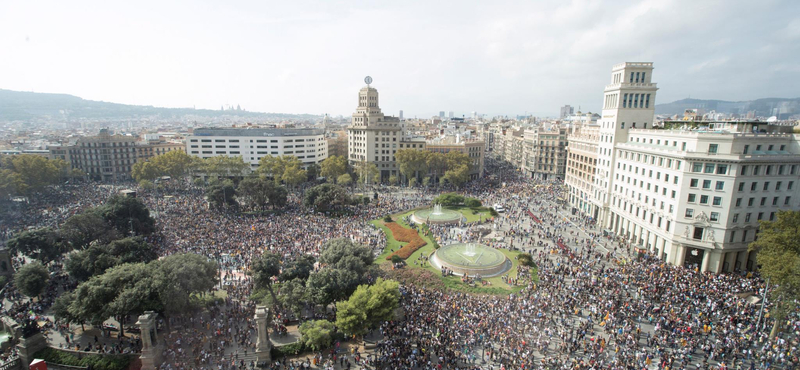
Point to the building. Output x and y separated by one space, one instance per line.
566 111
545 151
580 171
690 192
400 115
104 157
145 151
374 137
441 114
252 143
474 148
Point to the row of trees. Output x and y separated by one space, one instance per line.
119 216
172 285
27 173
421 165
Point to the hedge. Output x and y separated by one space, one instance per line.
409 236
96 362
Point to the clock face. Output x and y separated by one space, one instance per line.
368 80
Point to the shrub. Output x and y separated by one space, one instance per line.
493 212
396 259
96 362
449 199
288 350
387 218
472 202
410 236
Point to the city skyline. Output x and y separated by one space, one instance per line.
498 59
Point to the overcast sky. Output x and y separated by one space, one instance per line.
493 57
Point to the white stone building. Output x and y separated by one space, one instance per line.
691 193
308 145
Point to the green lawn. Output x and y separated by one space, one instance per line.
452 282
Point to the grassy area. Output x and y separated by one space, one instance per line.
497 286
478 214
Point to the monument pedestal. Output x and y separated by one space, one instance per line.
27 347
263 345
151 355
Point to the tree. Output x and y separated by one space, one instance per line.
457 176
472 202
84 228
525 259
300 268
342 253
293 175
43 245
146 185
449 199
393 180
330 285
179 276
175 164
126 214
11 183
437 165
368 306
426 181
316 334
98 258
778 248
262 191
333 167
35 171
224 166
31 279
222 194
344 179
293 295
146 170
263 271
366 171
412 162
313 171
276 167
326 196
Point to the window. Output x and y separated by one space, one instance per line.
720 185
673 194
689 212
697 167
743 170
738 202
733 236
753 186
706 184
756 170
772 216
722 169
741 186
717 201
693 183
698 233
778 185
775 201
692 198
750 202
714 216
744 235
769 169
709 168
747 217
712 148
766 185
760 216
735 218
791 184
746 149
786 201
704 199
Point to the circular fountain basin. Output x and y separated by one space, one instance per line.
436 216
471 259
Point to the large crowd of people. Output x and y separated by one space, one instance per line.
591 306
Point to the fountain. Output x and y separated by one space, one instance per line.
471 259
436 215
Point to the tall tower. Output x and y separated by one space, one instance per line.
628 103
373 137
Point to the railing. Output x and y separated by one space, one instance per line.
12 364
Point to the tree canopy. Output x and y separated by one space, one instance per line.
333 167
97 258
27 173
778 248
287 168
261 191
222 194
124 213
326 196
43 244
317 334
31 279
368 306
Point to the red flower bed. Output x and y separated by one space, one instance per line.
409 236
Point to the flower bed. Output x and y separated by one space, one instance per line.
409 236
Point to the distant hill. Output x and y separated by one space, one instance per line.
27 106
781 107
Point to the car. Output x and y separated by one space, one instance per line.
499 208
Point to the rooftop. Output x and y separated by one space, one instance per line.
244 131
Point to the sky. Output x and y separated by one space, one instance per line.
492 57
